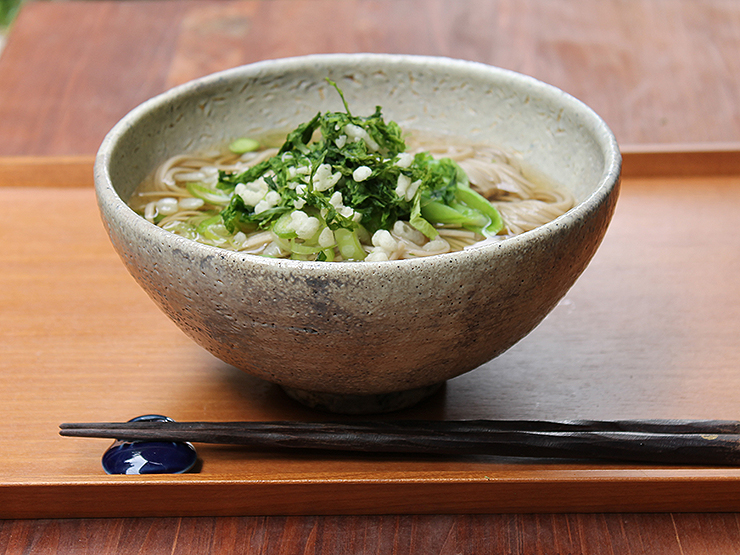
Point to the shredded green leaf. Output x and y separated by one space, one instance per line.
352 175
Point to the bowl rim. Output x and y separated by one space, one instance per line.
603 135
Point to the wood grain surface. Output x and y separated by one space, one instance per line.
516 534
658 71
661 72
649 331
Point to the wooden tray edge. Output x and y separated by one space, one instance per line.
711 159
139 498
47 171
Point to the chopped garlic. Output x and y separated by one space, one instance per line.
294 171
326 238
336 199
337 202
323 179
412 188
376 255
404 160
405 231
356 133
253 192
305 226
383 239
402 185
271 200
346 211
191 203
273 250
437 245
167 206
361 173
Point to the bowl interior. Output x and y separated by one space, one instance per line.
556 134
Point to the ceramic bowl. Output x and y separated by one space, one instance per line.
363 336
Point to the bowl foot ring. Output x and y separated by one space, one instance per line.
362 404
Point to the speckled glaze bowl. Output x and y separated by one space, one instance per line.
363 336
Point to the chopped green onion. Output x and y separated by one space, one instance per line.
243 145
213 229
349 244
419 222
283 226
478 202
217 198
305 248
327 255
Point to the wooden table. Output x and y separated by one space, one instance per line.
662 73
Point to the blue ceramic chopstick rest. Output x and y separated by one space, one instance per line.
149 457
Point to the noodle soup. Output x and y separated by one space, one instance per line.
344 188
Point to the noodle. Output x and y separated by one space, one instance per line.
166 199
523 203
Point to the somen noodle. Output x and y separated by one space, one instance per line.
344 188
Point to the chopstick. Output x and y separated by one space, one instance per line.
689 442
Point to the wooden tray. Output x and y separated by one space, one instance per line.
649 331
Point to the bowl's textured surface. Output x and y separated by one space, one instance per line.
341 332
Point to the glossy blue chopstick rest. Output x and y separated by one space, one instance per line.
149 457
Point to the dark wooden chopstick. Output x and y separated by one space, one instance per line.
702 442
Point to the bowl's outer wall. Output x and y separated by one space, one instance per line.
363 328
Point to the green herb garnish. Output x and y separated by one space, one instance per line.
354 179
